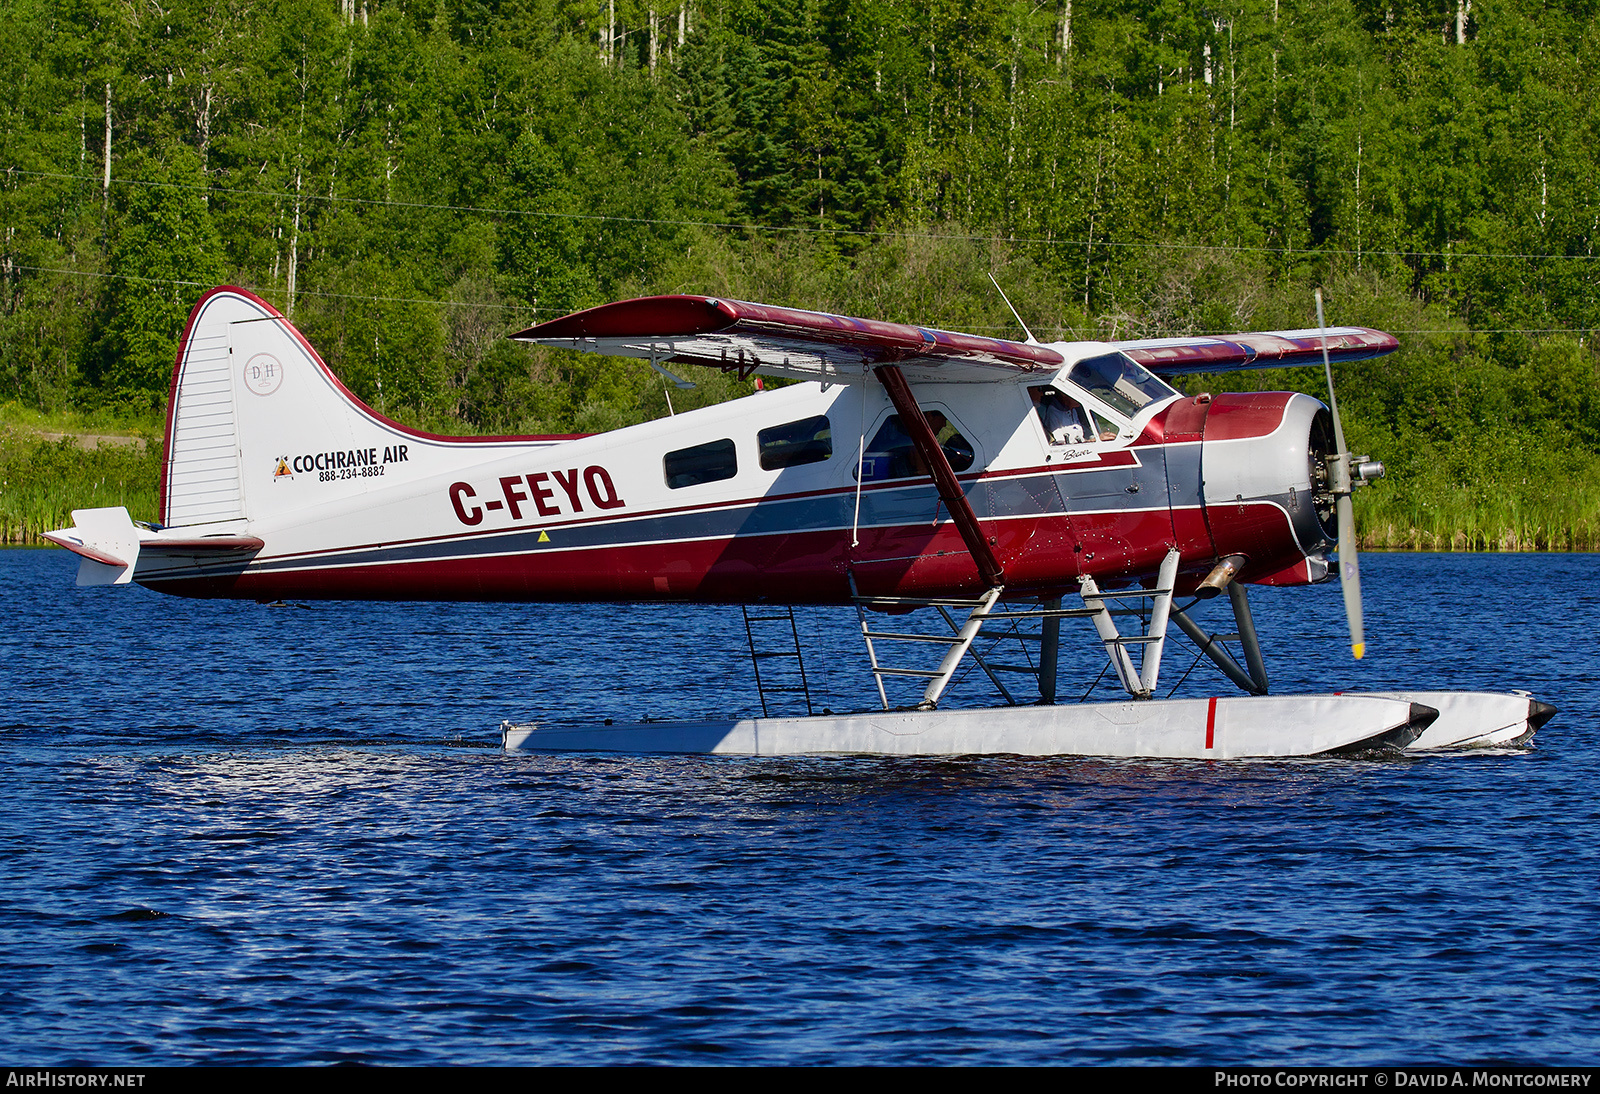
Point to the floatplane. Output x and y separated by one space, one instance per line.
994 487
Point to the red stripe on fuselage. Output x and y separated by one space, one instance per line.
1041 554
802 567
466 534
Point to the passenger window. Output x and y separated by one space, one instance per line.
702 463
809 440
891 455
1065 420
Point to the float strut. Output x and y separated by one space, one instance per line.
1139 683
1049 651
1209 645
1247 636
1160 610
1127 675
958 649
1253 680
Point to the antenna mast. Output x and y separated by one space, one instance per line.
1031 340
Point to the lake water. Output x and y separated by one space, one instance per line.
233 833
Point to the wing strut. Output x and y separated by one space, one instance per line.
921 434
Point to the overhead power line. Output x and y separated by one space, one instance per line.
298 292
747 226
529 308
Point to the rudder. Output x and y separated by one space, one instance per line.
200 482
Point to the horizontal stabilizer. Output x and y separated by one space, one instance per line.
202 545
108 542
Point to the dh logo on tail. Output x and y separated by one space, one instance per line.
263 373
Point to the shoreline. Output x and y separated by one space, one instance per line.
35 542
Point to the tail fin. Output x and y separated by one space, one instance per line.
252 407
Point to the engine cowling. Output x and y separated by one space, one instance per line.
1265 484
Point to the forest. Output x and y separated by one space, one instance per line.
410 180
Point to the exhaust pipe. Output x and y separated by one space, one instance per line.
1218 578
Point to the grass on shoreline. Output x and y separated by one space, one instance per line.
1476 519
1485 493
42 481
23 419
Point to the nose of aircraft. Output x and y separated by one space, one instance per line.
1265 484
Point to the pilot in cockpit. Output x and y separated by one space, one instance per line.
1064 421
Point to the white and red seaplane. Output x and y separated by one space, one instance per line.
1016 484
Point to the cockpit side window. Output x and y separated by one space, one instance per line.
1120 382
891 455
1105 427
1067 421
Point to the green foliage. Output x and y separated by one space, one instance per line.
166 250
412 179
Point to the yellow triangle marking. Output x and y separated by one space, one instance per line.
544 537
1359 649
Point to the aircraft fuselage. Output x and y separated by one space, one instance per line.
755 499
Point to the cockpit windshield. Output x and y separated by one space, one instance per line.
1120 382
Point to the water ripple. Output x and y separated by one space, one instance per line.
237 834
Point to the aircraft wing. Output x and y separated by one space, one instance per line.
748 338
1169 357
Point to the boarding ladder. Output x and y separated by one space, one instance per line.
956 647
775 643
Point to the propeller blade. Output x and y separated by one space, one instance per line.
1349 564
1350 575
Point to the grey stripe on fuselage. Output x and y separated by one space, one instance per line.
1182 471
913 504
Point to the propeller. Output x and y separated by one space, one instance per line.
1345 473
